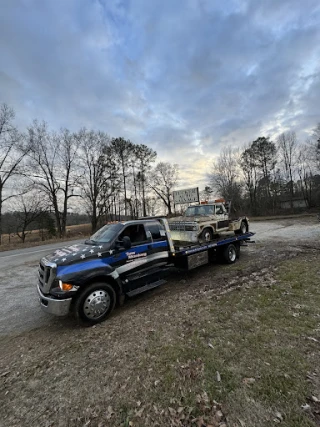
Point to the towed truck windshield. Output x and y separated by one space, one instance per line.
106 234
199 210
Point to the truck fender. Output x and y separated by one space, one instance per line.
103 274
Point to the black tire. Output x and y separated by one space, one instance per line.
206 235
243 228
230 253
95 303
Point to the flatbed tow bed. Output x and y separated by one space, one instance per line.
191 254
223 240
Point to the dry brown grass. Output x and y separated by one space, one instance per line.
155 361
34 238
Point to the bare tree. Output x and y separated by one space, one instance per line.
53 167
265 152
315 148
224 176
258 163
287 144
144 157
13 149
305 183
28 208
250 173
69 171
123 149
164 179
99 174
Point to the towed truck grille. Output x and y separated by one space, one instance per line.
183 226
47 273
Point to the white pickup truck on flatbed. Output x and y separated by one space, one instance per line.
202 222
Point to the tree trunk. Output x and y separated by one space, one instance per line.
94 219
169 204
124 188
135 195
143 197
57 215
64 215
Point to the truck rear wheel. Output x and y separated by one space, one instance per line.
243 228
230 253
95 303
206 235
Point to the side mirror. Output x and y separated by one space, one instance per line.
126 242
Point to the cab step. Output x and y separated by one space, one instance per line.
146 287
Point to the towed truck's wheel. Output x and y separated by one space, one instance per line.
95 303
206 235
230 253
243 228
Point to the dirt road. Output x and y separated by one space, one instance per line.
52 367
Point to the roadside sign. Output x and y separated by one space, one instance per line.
186 196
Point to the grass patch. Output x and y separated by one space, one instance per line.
249 350
248 357
33 238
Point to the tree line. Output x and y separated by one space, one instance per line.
258 177
45 174
42 171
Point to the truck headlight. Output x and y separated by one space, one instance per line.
67 287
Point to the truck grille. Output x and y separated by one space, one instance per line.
47 273
183 226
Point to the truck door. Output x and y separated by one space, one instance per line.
160 245
222 217
130 261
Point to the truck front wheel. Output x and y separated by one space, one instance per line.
206 235
95 303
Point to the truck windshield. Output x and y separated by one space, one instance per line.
199 210
106 234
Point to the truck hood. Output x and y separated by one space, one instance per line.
78 253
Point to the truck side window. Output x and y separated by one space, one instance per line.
155 231
136 233
219 210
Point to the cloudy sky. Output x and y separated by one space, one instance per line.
186 77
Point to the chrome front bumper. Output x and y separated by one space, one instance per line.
185 236
58 307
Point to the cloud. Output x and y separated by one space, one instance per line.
184 77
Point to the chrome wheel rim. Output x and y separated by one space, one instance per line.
96 304
232 254
207 236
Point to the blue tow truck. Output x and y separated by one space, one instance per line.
124 258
